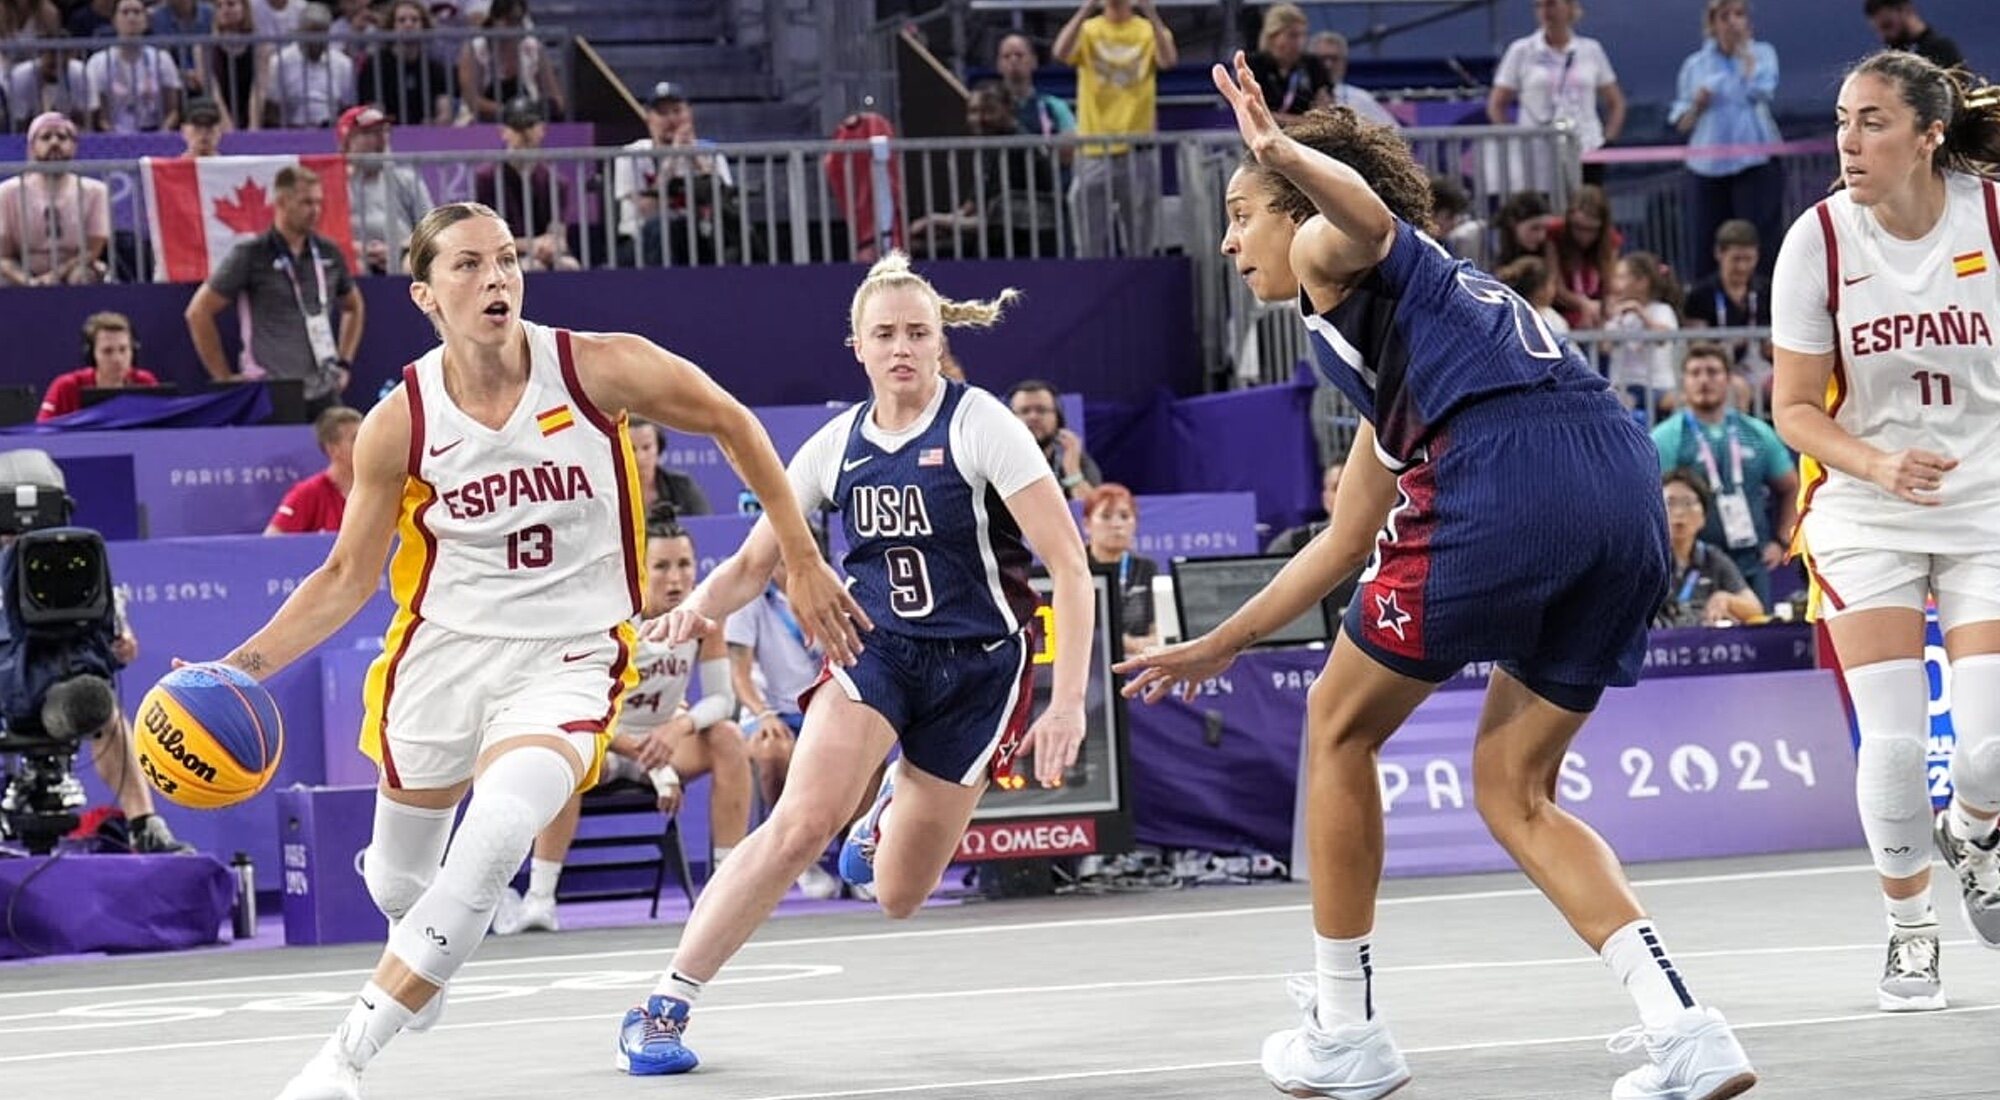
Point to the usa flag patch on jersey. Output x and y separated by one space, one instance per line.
931 456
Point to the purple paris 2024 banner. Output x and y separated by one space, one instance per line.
1732 744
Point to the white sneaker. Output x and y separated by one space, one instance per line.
520 913
1910 980
818 885
327 1077
1977 864
1696 1057
1351 1062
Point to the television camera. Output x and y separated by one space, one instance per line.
56 649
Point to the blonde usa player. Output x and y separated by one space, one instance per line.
659 738
500 469
1887 309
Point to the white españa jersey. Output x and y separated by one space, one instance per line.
530 531
1912 326
663 683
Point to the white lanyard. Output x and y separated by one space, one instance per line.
319 270
1708 455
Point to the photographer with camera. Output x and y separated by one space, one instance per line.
63 636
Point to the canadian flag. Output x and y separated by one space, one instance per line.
199 208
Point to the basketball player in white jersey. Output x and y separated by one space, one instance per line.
1887 310
501 470
659 739
936 484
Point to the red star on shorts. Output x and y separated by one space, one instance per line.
1389 615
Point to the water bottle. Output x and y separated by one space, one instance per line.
244 924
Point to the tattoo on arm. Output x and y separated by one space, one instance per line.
249 660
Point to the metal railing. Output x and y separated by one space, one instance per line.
1653 210
441 76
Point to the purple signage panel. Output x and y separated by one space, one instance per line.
194 482
324 831
1670 769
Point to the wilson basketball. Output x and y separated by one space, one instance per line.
209 736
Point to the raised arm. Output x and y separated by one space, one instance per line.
630 372
331 594
1362 228
1064 47
1165 54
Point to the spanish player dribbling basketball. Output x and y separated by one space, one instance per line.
1886 307
499 468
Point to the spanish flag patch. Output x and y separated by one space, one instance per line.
1969 264
551 421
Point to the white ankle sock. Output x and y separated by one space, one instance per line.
1635 954
680 987
1345 975
1910 912
543 874
374 1020
1964 826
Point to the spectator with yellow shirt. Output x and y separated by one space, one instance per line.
1115 197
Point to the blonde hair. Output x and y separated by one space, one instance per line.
892 272
1279 18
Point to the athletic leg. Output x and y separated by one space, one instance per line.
1969 611
1343 1049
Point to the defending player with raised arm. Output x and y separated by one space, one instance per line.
1509 511
1885 309
941 491
501 471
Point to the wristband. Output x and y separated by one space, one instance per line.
1072 481
665 778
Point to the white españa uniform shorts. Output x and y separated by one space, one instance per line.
1858 579
437 699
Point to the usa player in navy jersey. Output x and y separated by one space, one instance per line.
941 490
1520 521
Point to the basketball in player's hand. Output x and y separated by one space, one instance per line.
208 736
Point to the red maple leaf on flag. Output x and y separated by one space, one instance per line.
246 211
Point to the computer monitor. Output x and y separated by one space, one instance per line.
19 405
1209 590
97 395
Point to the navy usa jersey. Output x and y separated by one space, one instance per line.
933 551
1426 334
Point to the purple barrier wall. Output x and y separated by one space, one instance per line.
772 335
1732 744
187 482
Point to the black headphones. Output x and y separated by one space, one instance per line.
90 344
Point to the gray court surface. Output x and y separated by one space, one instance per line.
1154 995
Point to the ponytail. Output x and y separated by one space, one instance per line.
892 272
1972 137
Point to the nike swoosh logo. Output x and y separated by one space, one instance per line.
437 450
1850 280
569 658
862 461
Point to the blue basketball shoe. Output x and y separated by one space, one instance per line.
857 855
649 1041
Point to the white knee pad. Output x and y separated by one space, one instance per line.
521 792
1975 717
1892 709
403 856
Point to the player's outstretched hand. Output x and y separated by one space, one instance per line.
1914 475
827 611
683 624
1178 668
1054 739
1253 117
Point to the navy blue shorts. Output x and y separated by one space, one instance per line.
1533 536
959 708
